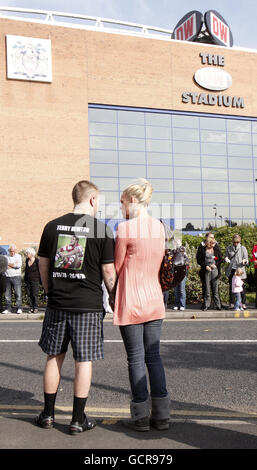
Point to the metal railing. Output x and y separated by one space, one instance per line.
72 20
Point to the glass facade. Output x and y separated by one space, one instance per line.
207 163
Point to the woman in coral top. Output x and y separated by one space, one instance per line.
139 308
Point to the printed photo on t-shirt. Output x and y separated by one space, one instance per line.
70 252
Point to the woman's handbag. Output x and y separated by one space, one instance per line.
174 264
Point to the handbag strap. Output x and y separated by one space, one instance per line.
168 234
235 253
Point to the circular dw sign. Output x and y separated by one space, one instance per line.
213 79
218 28
188 28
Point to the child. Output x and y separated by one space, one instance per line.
237 288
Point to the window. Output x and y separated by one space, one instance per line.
237 125
214 149
133 171
103 156
132 157
185 121
238 162
241 199
186 147
131 144
190 159
241 175
158 145
128 117
186 160
185 134
102 128
215 174
159 171
158 132
162 198
104 143
159 158
215 187
189 198
98 169
240 150
214 161
213 123
218 199
161 184
131 131
239 138
187 172
187 185
157 119
213 136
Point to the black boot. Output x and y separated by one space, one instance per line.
160 416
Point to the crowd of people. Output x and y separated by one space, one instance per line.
11 279
209 258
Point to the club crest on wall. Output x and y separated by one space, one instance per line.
29 58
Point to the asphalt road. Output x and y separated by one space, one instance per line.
211 370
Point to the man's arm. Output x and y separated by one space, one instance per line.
44 264
17 262
110 277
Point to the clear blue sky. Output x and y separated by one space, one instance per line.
241 15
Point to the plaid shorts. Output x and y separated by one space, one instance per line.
83 330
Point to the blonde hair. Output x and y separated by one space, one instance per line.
210 242
141 189
238 272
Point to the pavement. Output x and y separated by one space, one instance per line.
192 311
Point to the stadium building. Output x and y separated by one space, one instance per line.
83 98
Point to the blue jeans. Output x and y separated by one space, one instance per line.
238 300
142 344
14 282
180 294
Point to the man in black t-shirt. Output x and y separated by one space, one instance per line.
76 253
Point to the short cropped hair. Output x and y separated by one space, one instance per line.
31 251
236 237
141 190
82 191
12 246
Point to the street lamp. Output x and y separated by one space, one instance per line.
215 213
221 220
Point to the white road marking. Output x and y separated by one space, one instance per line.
232 341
